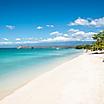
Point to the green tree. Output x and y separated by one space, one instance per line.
99 44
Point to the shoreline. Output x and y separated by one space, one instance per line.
41 72
59 80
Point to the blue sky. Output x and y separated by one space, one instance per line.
50 20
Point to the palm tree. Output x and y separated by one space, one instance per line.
99 37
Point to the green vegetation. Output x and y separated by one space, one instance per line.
97 45
83 47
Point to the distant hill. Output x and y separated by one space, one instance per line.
68 43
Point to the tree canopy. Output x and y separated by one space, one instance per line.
97 45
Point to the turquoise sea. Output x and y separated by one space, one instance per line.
18 66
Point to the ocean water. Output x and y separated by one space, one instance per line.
18 66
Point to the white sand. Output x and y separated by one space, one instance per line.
79 81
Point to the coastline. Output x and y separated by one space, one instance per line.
22 79
76 81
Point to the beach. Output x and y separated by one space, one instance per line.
35 62
77 81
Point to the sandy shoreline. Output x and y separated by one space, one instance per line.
78 81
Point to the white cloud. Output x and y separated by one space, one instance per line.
71 35
39 27
30 38
88 22
97 22
6 43
56 39
66 35
6 39
56 33
49 25
18 39
10 27
80 21
26 41
73 30
76 34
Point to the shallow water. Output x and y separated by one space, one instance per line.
19 66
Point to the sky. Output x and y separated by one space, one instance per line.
30 21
